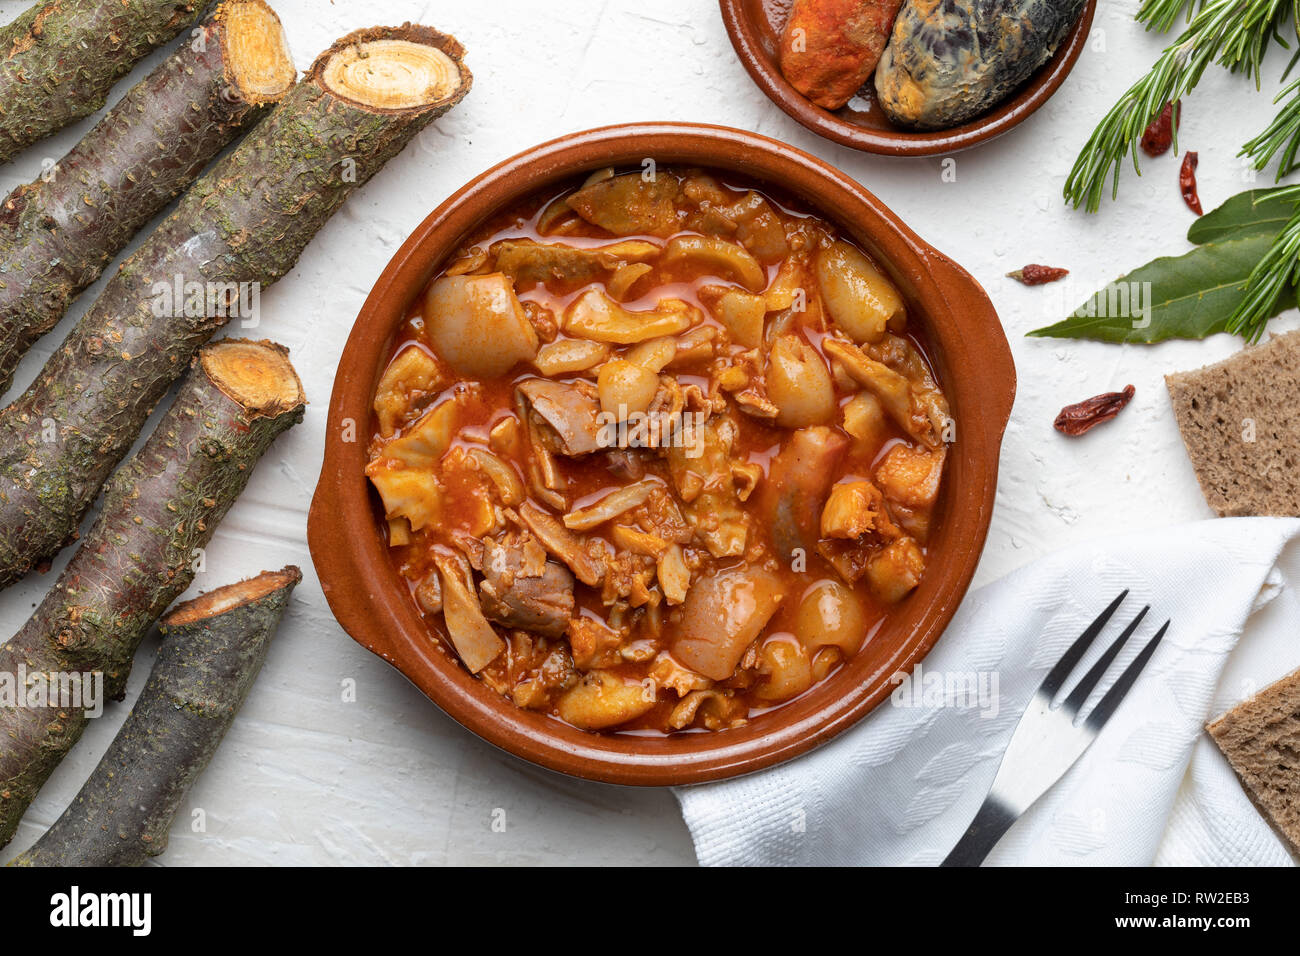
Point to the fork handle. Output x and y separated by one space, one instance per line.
993 820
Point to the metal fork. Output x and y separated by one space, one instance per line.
1048 740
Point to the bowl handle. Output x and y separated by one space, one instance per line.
982 328
334 562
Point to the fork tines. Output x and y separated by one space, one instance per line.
1087 684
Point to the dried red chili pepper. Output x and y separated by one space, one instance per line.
1187 182
1091 412
1160 134
1038 275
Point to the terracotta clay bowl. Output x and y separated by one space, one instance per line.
755 29
971 358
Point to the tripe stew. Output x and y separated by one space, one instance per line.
657 452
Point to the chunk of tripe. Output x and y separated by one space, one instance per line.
603 699
403 470
596 316
855 509
911 476
721 616
477 324
895 570
475 640
861 301
411 372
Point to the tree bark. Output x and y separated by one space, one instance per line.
160 509
246 221
58 233
212 650
59 59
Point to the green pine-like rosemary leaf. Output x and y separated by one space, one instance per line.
1271 285
1233 33
1281 135
1161 14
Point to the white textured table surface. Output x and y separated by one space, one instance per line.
304 777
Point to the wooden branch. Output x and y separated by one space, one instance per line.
59 59
58 233
245 222
160 509
212 650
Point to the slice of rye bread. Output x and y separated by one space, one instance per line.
1240 421
1261 739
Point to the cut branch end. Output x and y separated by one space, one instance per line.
225 599
394 69
257 375
256 52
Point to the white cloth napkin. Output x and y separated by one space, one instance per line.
901 786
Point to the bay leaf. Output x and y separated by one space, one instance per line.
1174 297
1252 213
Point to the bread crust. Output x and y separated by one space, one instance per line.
1240 422
1261 739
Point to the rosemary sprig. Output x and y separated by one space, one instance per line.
1236 34
1161 14
1283 134
1278 268
1233 33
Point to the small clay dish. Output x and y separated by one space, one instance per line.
967 348
755 29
